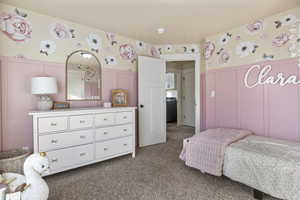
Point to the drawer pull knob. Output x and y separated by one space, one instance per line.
54 160
125 129
125 144
54 141
81 121
53 124
82 137
82 154
105 133
125 117
105 149
105 119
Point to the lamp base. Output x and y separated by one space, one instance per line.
44 103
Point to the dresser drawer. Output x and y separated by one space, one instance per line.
105 119
113 147
62 140
52 124
81 121
124 117
70 157
113 132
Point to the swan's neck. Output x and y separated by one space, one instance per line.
38 189
33 177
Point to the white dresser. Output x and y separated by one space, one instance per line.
76 137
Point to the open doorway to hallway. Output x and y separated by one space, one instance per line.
180 93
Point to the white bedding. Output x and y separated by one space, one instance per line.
269 165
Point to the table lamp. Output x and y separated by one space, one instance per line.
43 86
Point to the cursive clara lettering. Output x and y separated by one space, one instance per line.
264 77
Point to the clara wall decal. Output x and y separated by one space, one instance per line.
264 77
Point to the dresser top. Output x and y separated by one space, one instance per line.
81 110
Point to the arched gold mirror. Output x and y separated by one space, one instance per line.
83 76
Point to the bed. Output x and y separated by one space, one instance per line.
267 165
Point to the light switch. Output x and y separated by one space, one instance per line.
212 93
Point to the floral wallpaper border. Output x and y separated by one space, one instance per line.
273 38
27 34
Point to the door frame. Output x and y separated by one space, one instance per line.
196 58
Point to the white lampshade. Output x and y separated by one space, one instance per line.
43 85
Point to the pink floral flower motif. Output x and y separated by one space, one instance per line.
238 37
255 27
110 60
154 52
224 57
225 38
112 38
15 27
47 47
288 20
209 49
127 52
280 40
61 31
94 41
246 48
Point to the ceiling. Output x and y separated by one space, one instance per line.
185 21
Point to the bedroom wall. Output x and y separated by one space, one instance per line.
24 55
269 110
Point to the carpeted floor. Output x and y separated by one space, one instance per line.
155 174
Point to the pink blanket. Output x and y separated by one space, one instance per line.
206 150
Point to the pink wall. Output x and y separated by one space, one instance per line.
268 110
17 100
271 111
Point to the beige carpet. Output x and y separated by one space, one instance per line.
155 174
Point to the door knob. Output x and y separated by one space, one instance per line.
142 106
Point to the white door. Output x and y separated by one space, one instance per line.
152 101
188 97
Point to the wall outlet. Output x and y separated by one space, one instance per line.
25 148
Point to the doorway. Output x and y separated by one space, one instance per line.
152 96
180 93
195 100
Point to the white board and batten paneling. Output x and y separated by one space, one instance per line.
152 100
77 137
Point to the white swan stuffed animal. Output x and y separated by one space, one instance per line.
35 165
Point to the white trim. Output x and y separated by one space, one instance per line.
190 57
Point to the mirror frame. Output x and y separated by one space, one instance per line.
66 76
